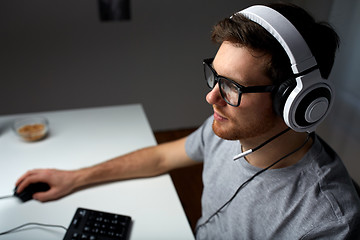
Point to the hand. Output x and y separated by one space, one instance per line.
61 183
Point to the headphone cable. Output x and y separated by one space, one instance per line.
243 154
251 178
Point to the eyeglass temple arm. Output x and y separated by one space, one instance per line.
255 89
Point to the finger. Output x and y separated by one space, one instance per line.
45 196
28 174
24 176
29 180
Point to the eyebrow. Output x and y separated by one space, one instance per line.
212 65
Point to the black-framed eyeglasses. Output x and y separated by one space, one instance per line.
230 90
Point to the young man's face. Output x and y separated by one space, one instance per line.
255 116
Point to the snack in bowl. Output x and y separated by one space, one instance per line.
31 129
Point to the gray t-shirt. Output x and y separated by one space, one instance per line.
313 199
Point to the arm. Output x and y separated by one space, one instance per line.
146 162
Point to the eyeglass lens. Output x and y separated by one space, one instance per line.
229 91
210 77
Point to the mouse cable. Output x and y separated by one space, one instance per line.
3 197
32 223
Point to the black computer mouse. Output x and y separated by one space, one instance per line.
28 192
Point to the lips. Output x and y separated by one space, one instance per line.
219 117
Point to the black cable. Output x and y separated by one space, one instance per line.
274 137
9 196
32 223
251 178
243 154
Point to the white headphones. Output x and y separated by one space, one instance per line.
305 99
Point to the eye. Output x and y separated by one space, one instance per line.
230 91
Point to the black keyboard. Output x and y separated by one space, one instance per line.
90 224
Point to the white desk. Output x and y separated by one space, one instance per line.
81 138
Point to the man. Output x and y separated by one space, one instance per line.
286 183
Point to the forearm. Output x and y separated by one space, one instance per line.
141 163
146 162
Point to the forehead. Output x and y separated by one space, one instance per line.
241 64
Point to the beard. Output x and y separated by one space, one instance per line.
245 129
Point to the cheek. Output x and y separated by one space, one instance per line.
252 118
257 102
255 109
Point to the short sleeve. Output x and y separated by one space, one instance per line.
195 143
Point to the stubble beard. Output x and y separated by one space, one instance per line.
240 131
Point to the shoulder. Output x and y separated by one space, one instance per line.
334 197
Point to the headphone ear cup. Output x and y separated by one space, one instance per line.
313 106
305 109
281 95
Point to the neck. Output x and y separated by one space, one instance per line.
278 148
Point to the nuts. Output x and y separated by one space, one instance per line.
31 129
32 132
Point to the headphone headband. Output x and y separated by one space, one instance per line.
285 33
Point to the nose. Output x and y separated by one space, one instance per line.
214 97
